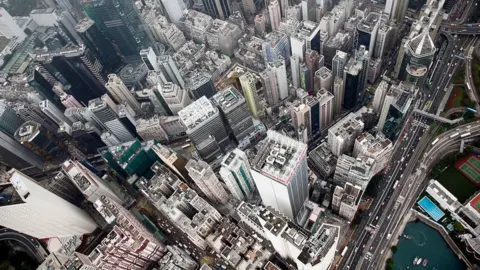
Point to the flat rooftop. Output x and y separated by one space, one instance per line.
227 98
197 112
274 223
368 24
279 157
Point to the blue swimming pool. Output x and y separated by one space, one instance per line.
431 209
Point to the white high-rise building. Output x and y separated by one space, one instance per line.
326 105
342 135
380 148
235 172
37 212
151 129
8 26
301 119
379 97
338 64
166 32
204 177
281 73
345 200
91 186
389 99
396 9
305 37
323 79
54 113
280 174
309 10
338 93
150 59
175 9
121 93
175 97
275 14
295 67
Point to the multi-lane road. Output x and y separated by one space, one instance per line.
371 237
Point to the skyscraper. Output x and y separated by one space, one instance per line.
338 64
235 111
326 105
204 177
235 172
120 21
309 10
379 97
280 69
275 14
280 174
35 211
17 156
338 93
53 112
77 69
217 8
295 67
301 120
355 79
204 127
175 97
9 120
117 89
249 83
276 44
101 47
8 26
396 9
40 141
44 88
366 32
175 9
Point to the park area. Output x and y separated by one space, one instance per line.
458 98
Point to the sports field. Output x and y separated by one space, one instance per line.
457 183
470 167
475 203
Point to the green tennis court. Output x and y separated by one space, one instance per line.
471 172
475 162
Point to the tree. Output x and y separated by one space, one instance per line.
394 249
390 264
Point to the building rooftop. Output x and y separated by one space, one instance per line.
373 144
279 156
27 132
43 11
275 223
228 98
351 194
441 191
306 30
319 244
422 45
347 126
197 112
368 24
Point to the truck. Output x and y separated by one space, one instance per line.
344 251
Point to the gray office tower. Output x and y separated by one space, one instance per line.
9 120
120 21
355 79
200 84
205 127
13 154
235 112
104 109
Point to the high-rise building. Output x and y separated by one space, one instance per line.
276 44
324 79
151 129
306 81
100 46
309 10
252 6
206 180
418 57
311 61
120 21
260 25
53 112
280 174
17 156
295 68
379 98
338 64
280 69
205 127
44 88
9 120
117 89
380 148
128 246
9 27
357 171
35 211
396 9
355 79
249 83
233 107
77 69
341 136
338 93
200 84
40 141
175 9
69 101
166 32
346 199
217 8
34 113
367 32
314 106
105 111
306 36
235 172
150 59
326 102
301 119
91 186
175 97
275 14
384 40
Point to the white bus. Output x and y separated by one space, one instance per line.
464 135
454 135
186 146
435 141
344 251
395 185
